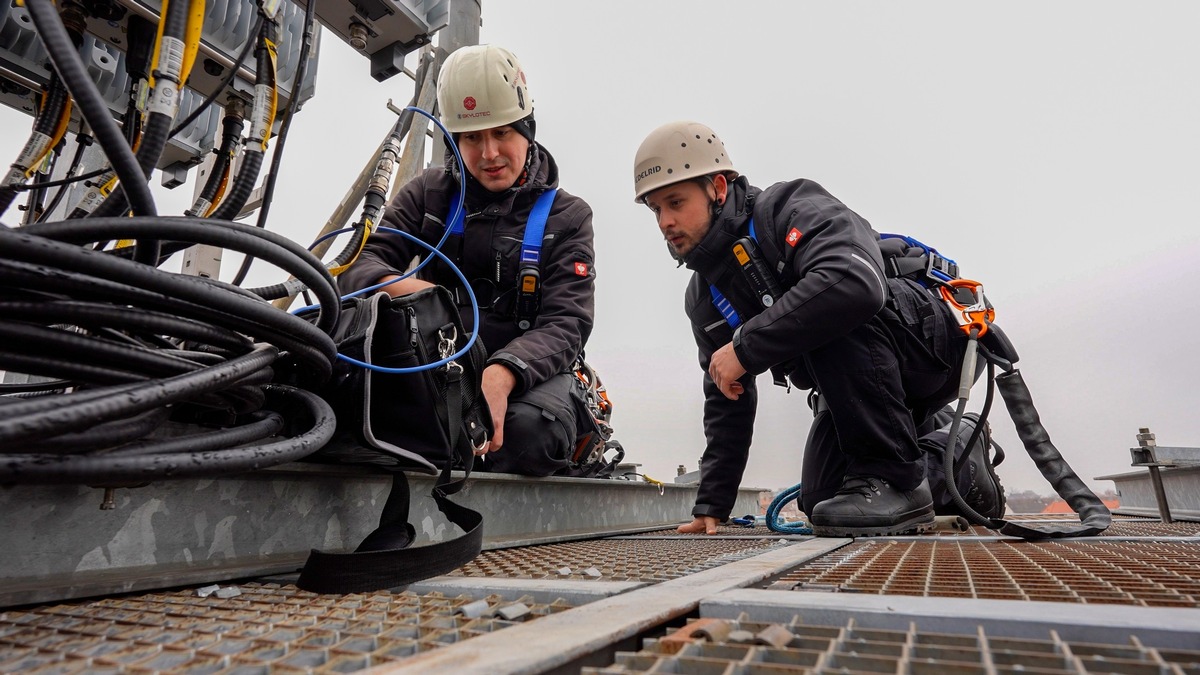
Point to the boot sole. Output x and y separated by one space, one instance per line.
922 523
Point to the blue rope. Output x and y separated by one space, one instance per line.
775 523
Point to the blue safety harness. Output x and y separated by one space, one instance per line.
721 302
528 276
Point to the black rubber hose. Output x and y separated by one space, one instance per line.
252 160
284 127
56 366
212 96
89 315
154 137
1093 514
68 178
303 408
102 436
19 427
48 116
276 249
267 424
232 126
28 339
92 105
307 343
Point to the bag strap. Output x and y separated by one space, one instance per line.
383 560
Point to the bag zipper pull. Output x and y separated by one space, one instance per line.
413 334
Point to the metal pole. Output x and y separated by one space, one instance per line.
462 29
1147 444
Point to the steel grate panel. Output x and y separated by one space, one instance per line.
1153 574
612 560
1121 527
743 646
268 628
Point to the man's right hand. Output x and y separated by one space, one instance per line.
404 286
699 525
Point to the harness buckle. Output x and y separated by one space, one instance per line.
940 269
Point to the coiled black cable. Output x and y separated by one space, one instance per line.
154 365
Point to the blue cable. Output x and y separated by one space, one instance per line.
433 251
458 208
474 318
775 523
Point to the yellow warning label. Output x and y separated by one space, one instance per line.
528 284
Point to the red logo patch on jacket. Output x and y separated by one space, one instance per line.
581 269
793 237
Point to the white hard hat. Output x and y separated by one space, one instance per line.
676 152
480 87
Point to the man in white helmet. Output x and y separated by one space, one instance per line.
532 339
789 279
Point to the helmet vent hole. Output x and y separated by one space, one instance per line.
683 145
687 166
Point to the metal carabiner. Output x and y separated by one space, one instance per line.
446 342
975 314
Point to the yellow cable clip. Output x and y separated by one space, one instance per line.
661 487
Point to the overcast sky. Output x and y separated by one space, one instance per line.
1051 148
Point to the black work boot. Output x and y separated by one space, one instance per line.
985 494
866 506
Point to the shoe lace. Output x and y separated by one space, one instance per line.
861 485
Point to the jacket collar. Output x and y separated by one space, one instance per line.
713 253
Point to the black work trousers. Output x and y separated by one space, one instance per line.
539 430
878 388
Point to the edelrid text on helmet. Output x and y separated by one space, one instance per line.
480 87
675 152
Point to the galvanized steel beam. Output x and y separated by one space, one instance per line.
59 544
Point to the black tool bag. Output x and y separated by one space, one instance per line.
428 421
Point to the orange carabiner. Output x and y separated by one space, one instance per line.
970 305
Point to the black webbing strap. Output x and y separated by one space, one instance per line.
382 560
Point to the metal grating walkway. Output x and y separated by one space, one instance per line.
1147 573
267 628
744 647
627 559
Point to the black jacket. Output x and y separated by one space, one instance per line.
827 260
489 254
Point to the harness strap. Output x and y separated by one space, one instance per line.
529 286
719 300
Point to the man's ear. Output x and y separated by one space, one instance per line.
721 186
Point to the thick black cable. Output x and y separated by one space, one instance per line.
158 126
232 126
29 339
281 139
308 344
252 159
314 412
276 249
266 425
237 65
88 315
104 435
62 181
18 427
92 105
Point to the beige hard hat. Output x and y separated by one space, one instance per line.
480 87
675 152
